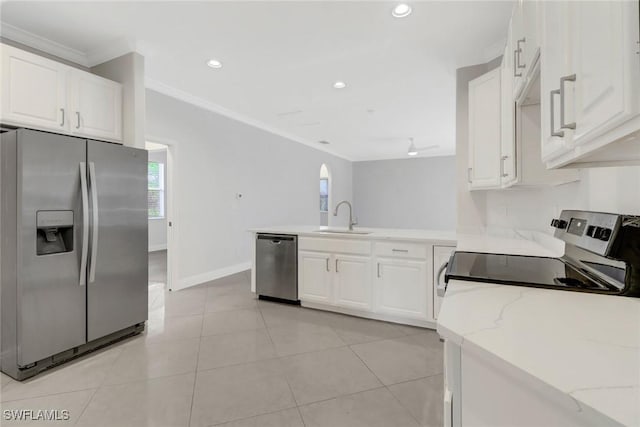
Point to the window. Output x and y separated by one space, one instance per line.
156 190
324 194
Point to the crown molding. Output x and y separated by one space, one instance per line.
45 45
114 49
189 98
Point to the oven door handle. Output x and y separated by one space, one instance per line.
441 288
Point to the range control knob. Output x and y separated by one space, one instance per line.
559 223
591 231
602 233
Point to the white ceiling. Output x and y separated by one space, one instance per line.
282 58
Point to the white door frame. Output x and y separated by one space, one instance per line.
171 214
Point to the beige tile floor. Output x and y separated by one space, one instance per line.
214 355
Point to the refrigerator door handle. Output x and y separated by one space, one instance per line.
85 223
94 234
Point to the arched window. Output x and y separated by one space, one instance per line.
325 190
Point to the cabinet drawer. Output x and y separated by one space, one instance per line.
343 246
401 249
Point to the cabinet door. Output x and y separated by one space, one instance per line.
352 282
441 255
531 11
96 106
507 134
554 63
34 91
517 40
485 131
606 65
401 288
314 277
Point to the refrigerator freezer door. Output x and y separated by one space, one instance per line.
51 297
117 287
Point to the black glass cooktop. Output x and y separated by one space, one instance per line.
521 270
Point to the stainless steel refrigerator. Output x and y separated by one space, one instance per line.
74 247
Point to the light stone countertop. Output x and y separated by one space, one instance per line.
438 236
584 345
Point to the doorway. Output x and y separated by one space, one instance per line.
159 214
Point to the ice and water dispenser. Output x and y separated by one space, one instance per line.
54 232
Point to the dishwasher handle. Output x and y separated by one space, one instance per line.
276 238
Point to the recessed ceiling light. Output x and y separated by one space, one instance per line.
339 85
401 10
214 63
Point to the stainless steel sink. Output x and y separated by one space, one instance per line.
338 231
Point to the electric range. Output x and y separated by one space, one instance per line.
602 255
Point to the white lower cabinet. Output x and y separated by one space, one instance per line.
386 280
314 277
401 288
352 282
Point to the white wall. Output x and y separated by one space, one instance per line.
214 159
158 227
406 193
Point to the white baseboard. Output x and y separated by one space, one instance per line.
160 247
371 315
198 279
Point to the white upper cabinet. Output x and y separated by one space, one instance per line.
605 63
39 93
507 133
352 282
531 11
516 43
34 91
96 106
554 64
590 69
485 131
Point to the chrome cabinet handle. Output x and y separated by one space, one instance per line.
94 234
441 289
406 251
502 173
78 116
85 223
571 78
328 264
515 64
379 275
62 111
337 265
519 50
469 175
553 126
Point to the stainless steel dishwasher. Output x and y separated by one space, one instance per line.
277 267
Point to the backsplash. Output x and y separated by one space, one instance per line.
600 189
